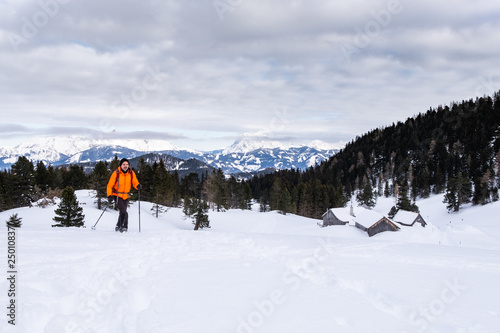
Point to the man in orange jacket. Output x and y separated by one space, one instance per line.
118 190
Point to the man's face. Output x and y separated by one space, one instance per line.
125 166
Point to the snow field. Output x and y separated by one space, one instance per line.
255 272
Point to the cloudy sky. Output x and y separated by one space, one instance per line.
203 73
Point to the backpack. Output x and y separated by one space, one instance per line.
118 182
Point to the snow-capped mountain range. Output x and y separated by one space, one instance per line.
245 155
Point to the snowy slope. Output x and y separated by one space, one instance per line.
256 272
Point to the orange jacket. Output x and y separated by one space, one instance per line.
123 184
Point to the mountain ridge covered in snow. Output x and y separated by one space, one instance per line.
245 155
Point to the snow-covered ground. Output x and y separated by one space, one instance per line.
254 272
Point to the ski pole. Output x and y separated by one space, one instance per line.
139 211
93 228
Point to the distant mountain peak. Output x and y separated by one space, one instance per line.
322 145
262 140
248 143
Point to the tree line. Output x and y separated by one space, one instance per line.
27 182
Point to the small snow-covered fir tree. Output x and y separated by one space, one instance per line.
200 215
366 196
458 192
197 210
69 213
99 180
14 221
403 203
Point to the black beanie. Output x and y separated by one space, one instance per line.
124 160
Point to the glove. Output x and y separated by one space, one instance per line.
139 187
112 199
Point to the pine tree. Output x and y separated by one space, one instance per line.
200 214
210 189
403 201
274 194
187 203
60 175
99 180
215 190
387 190
177 189
339 199
322 199
14 221
146 175
306 201
458 192
392 212
285 202
366 196
483 187
22 185
3 193
450 197
222 192
264 201
160 179
191 186
169 190
43 177
401 192
162 188
247 197
380 185
425 187
75 178
464 190
69 213
439 182
197 210
235 191
115 163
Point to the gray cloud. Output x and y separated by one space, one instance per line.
7 129
302 70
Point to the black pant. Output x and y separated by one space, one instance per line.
123 217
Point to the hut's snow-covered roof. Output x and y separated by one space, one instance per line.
366 217
405 217
343 214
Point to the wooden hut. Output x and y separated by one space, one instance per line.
337 216
373 222
408 218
